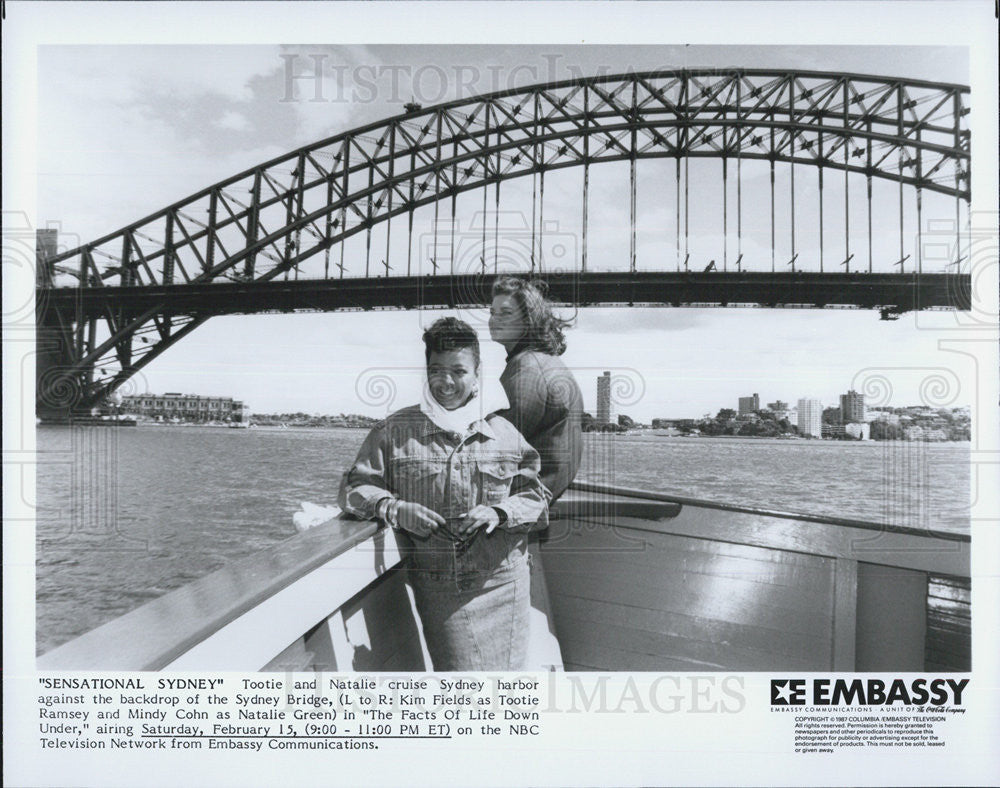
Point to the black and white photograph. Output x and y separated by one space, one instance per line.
723 309
509 370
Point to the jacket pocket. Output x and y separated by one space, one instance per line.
416 480
495 478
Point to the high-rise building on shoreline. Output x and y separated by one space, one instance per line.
605 410
811 417
852 408
748 405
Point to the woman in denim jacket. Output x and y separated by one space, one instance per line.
461 489
545 400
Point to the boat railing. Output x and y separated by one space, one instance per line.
802 517
232 617
332 597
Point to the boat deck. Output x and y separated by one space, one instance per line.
622 580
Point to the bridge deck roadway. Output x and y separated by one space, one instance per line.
897 292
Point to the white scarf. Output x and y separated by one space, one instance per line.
462 418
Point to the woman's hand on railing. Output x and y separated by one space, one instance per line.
417 518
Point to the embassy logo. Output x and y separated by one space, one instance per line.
788 692
867 692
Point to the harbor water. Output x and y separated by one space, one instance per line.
125 515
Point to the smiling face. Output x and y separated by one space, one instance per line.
507 323
451 375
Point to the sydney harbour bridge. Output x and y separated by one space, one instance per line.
833 159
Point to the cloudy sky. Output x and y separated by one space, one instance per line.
124 130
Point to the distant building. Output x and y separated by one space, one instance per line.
859 430
185 407
605 409
666 424
779 409
811 417
914 433
749 404
852 407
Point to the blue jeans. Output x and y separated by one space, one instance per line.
475 619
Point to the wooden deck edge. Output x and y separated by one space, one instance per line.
158 632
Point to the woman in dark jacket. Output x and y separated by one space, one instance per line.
546 405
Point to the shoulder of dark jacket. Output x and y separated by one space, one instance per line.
530 360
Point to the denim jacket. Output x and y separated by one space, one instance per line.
409 457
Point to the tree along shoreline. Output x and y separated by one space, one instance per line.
915 423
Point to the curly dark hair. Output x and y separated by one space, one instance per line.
545 330
450 333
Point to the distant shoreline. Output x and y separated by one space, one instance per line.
633 434
253 426
775 438
190 424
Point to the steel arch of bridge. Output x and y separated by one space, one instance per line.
266 221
